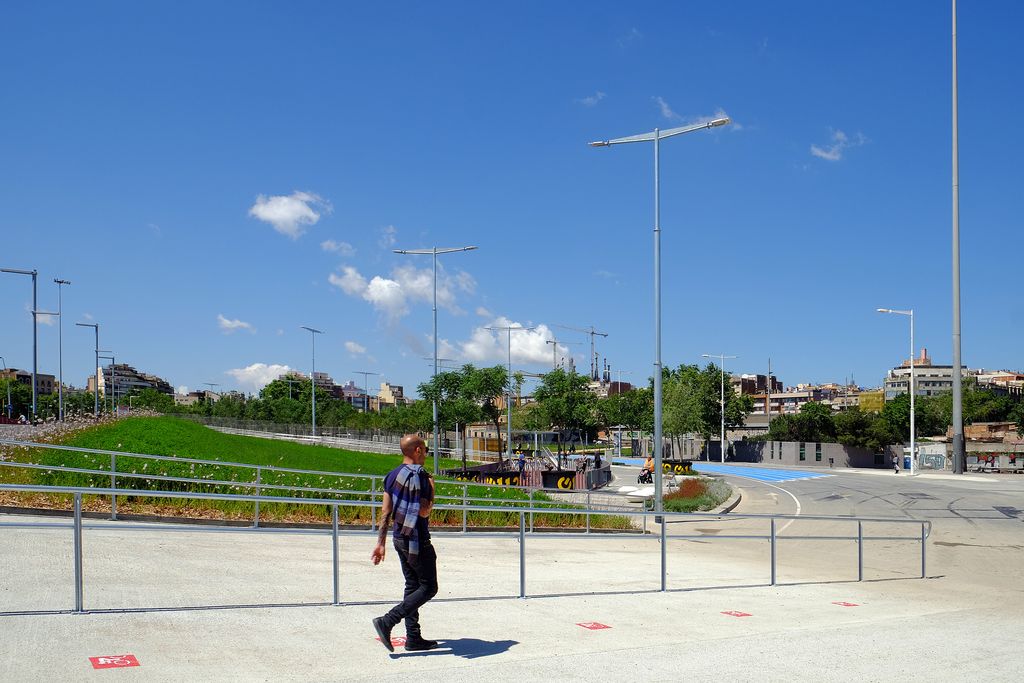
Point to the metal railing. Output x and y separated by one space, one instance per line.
661 520
374 482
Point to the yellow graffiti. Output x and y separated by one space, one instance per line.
565 482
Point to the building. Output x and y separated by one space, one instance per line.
790 400
355 396
391 395
1002 382
45 384
754 384
122 379
930 379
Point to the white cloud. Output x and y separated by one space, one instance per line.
387 237
257 375
42 318
350 281
671 115
591 100
528 346
446 350
87 316
840 143
354 348
386 296
343 248
391 295
666 110
483 312
230 326
181 390
280 332
292 213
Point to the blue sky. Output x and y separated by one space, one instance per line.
211 176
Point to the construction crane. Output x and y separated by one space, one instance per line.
593 354
554 350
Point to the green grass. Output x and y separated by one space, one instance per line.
174 437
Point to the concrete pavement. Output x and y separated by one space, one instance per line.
963 622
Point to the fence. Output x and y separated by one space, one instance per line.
772 536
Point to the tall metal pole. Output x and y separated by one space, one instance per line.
312 375
721 433
35 328
9 407
958 417
508 427
437 428
657 324
35 343
96 368
60 348
768 396
433 251
913 390
656 138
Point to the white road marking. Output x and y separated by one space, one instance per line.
795 500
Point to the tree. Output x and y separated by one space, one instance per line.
483 386
565 403
693 402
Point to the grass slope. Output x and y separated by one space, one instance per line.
174 437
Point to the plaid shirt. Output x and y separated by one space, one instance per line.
407 485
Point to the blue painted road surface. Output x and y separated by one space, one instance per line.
756 473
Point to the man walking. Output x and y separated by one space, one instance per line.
409 498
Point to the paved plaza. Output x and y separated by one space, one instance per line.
190 605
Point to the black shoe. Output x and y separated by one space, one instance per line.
384 633
419 644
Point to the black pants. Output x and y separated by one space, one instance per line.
420 585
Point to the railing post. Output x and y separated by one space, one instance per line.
78 552
465 489
860 550
256 506
588 511
522 554
373 503
334 548
773 550
924 550
664 557
113 485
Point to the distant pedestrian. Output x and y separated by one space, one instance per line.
409 498
895 465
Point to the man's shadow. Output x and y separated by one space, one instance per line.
467 648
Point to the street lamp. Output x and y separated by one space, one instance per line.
312 374
96 368
913 383
508 444
433 251
656 136
113 361
9 408
209 391
959 459
721 441
35 329
619 393
366 387
60 348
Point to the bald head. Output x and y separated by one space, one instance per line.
414 448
